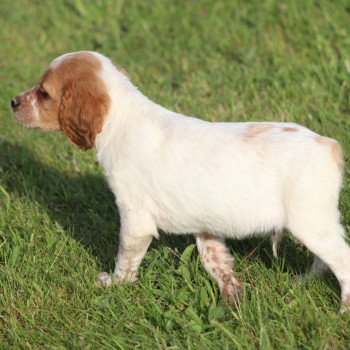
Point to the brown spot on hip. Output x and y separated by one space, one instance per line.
334 147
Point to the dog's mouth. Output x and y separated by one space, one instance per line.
23 119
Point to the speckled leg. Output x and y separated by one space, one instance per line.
130 254
218 262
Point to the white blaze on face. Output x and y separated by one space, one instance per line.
34 104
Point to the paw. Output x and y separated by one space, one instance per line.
104 279
232 292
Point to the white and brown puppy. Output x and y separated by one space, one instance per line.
185 175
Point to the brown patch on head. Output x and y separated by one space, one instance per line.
25 108
335 148
255 130
85 101
70 96
289 129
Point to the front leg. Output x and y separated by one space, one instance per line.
130 254
135 237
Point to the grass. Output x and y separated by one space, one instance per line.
222 61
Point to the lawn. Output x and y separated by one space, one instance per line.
221 61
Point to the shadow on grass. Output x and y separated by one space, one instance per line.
84 206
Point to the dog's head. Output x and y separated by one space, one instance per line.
70 96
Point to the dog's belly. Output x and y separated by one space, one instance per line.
237 220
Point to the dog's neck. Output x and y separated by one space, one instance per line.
132 116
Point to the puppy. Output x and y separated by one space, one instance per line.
185 175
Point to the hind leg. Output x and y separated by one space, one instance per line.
326 241
218 262
318 268
276 237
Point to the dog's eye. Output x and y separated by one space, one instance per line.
44 94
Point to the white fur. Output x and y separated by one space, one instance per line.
34 104
185 175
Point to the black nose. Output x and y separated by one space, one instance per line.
15 103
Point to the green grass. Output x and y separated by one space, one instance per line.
222 61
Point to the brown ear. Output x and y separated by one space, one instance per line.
84 104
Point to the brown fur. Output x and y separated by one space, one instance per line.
255 130
77 100
335 148
85 101
289 129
